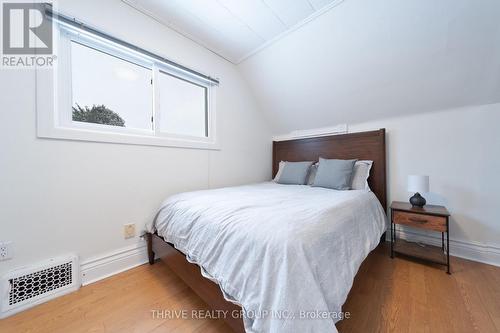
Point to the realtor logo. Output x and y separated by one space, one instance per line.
26 30
26 35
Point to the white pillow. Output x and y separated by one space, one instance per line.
312 173
281 165
360 175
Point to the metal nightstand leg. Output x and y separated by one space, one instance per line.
392 237
448 245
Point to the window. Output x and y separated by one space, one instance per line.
109 92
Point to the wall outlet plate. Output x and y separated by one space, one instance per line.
5 250
129 230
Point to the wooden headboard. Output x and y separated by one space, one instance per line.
361 146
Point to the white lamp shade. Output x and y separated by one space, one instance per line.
418 183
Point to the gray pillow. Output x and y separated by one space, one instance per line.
335 174
294 173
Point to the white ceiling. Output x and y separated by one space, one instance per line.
233 29
368 60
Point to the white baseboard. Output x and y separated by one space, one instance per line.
115 262
468 250
103 266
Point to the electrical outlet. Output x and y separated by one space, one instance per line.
5 250
129 230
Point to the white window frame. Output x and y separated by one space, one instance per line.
54 98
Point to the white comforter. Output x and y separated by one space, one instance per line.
287 254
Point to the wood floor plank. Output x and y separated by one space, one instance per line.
419 312
388 295
417 297
476 309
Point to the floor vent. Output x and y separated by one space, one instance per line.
25 287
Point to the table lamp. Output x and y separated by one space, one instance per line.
417 184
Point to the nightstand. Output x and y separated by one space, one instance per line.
429 217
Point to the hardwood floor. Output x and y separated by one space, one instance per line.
395 295
121 303
401 295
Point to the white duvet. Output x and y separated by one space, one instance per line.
287 254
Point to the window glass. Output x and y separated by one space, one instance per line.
108 90
183 106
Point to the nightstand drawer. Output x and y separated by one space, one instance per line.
437 223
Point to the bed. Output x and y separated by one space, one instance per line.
284 255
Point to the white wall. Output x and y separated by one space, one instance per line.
365 60
60 196
460 150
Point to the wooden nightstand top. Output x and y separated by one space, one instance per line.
427 209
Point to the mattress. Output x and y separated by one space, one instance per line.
287 254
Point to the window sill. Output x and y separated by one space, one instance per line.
64 133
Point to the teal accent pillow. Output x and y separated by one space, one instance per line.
334 174
294 173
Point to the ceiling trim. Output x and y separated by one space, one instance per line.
241 20
140 9
296 26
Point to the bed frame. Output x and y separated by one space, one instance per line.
362 146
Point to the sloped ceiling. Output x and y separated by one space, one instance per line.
366 59
233 29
